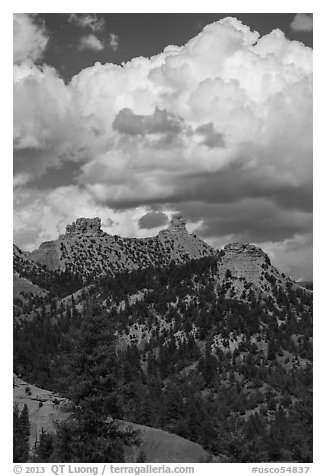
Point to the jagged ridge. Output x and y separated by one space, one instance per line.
90 252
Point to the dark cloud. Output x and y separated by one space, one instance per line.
211 138
28 160
168 125
160 122
236 182
57 176
250 220
230 185
152 220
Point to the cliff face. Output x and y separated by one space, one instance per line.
87 250
243 267
48 254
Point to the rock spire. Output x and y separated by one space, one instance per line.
178 224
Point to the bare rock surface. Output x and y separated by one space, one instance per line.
246 267
47 254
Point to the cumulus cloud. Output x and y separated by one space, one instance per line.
44 121
302 22
41 216
89 20
219 129
90 42
30 38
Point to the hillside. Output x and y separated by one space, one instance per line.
46 409
28 272
210 349
89 252
85 253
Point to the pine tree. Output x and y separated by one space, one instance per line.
21 432
44 447
17 443
25 430
92 433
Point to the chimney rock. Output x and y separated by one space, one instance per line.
178 224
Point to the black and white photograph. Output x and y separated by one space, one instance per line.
162 238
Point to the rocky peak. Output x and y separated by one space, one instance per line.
178 224
243 267
85 226
87 250
248 248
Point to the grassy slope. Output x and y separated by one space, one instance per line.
162 447
158 446
23 285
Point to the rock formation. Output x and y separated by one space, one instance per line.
245 266
252 250
85 249
177 225
85 226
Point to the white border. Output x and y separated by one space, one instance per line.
168 6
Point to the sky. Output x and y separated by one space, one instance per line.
135 117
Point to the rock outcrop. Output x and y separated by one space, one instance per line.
177 225
243 267
48 254
84 226
87 250
181 245
240 248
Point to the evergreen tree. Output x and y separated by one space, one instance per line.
17 437
25 429
44 447
21 432
92 433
